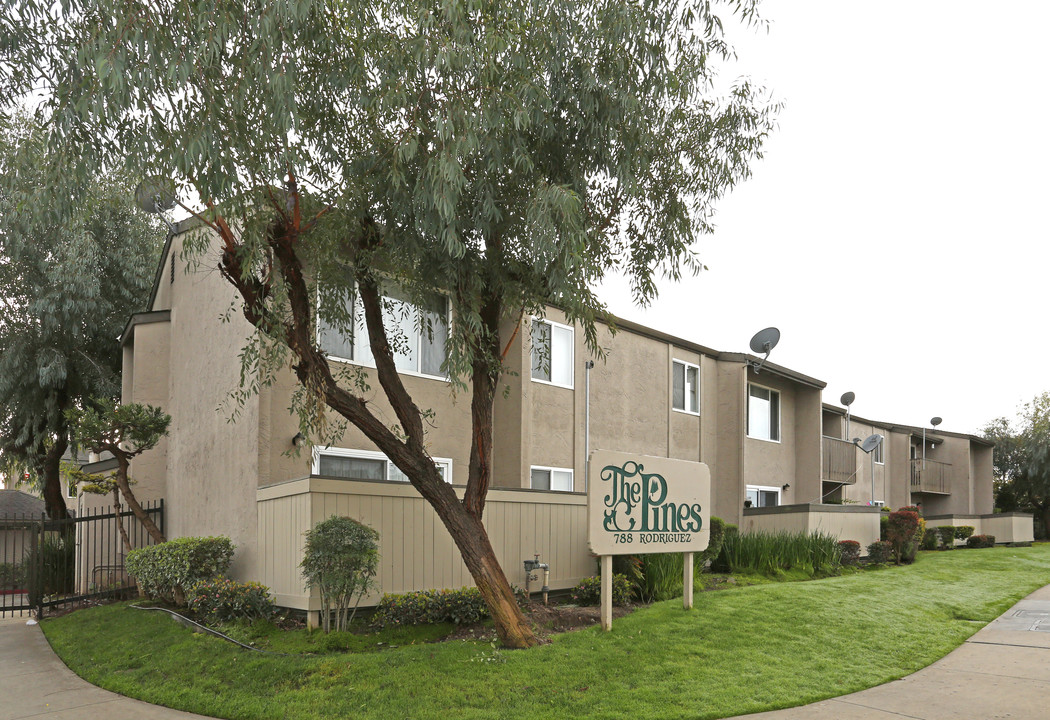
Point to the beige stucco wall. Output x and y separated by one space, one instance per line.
1008 527
727 475
416 551
775 463
844 523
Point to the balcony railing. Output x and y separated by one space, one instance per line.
936 477
839 462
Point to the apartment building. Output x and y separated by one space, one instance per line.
777 454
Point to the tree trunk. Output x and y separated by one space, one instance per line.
121 478
120 523
51 474
1046 520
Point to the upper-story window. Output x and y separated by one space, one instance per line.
763 413
551 478
685 387
879 453
417 336
366 465
552 353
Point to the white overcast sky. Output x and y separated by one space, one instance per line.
896 231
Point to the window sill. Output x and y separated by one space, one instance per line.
410 373
553 384
686 412
752 437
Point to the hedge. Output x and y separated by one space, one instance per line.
168 570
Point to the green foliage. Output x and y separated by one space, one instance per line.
129 429
944 536
77 260
49 568
771 553
222 600
461 607
662 575
719 562
980 541
170 569
340 560
930 540
849 552
963 532
902 532
1022 459
12 576
880 552
589 590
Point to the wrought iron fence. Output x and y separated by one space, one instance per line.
56 564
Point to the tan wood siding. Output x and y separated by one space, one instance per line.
416 552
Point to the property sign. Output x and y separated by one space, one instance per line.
642 504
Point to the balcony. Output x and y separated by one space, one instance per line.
839 464
936 477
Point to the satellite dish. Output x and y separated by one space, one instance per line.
936 421
155 195
763 342
848 398
871 442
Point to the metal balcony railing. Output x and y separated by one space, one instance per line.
936 477
839 464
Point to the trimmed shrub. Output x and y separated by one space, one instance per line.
589 591
963 532
849 552
880 552
945 536
461 607
223 600
980 541
340 560
719 563
902 529
911 549
168 570
930 540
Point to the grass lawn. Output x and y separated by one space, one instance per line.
742 650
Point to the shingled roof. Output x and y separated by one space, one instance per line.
16 502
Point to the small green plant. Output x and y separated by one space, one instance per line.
980 541
48 569
849 552
930 540
771 553
222 600
340 560
167 571
880 552
945 536
461 607
589 591
963 532
12 576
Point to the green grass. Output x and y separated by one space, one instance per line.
743 649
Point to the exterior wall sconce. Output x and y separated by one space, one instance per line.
298 440
785 486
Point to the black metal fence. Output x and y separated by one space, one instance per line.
56 564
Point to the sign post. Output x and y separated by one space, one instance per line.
639 504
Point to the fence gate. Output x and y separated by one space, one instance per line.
48 564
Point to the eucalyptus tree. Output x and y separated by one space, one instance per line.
1022 458
76 259
506 155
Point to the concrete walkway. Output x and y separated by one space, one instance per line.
1001 672
35 684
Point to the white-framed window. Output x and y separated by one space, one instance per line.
365 465
879 453
71 489
418 336
763 496
551 478
763 413
685 387
552 353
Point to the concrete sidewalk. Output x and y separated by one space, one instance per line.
1003 671
34 683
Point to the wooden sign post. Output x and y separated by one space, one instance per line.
639 504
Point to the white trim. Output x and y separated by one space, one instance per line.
317 451
780 410
572 476
572 354
686 364
765 488
414 373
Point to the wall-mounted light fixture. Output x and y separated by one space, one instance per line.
298 440
785 486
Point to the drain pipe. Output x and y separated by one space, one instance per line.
531 565
589 365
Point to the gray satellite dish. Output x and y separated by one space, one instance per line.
936 421
848 398
763 342
155 195
871 442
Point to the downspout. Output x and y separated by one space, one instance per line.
589 365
